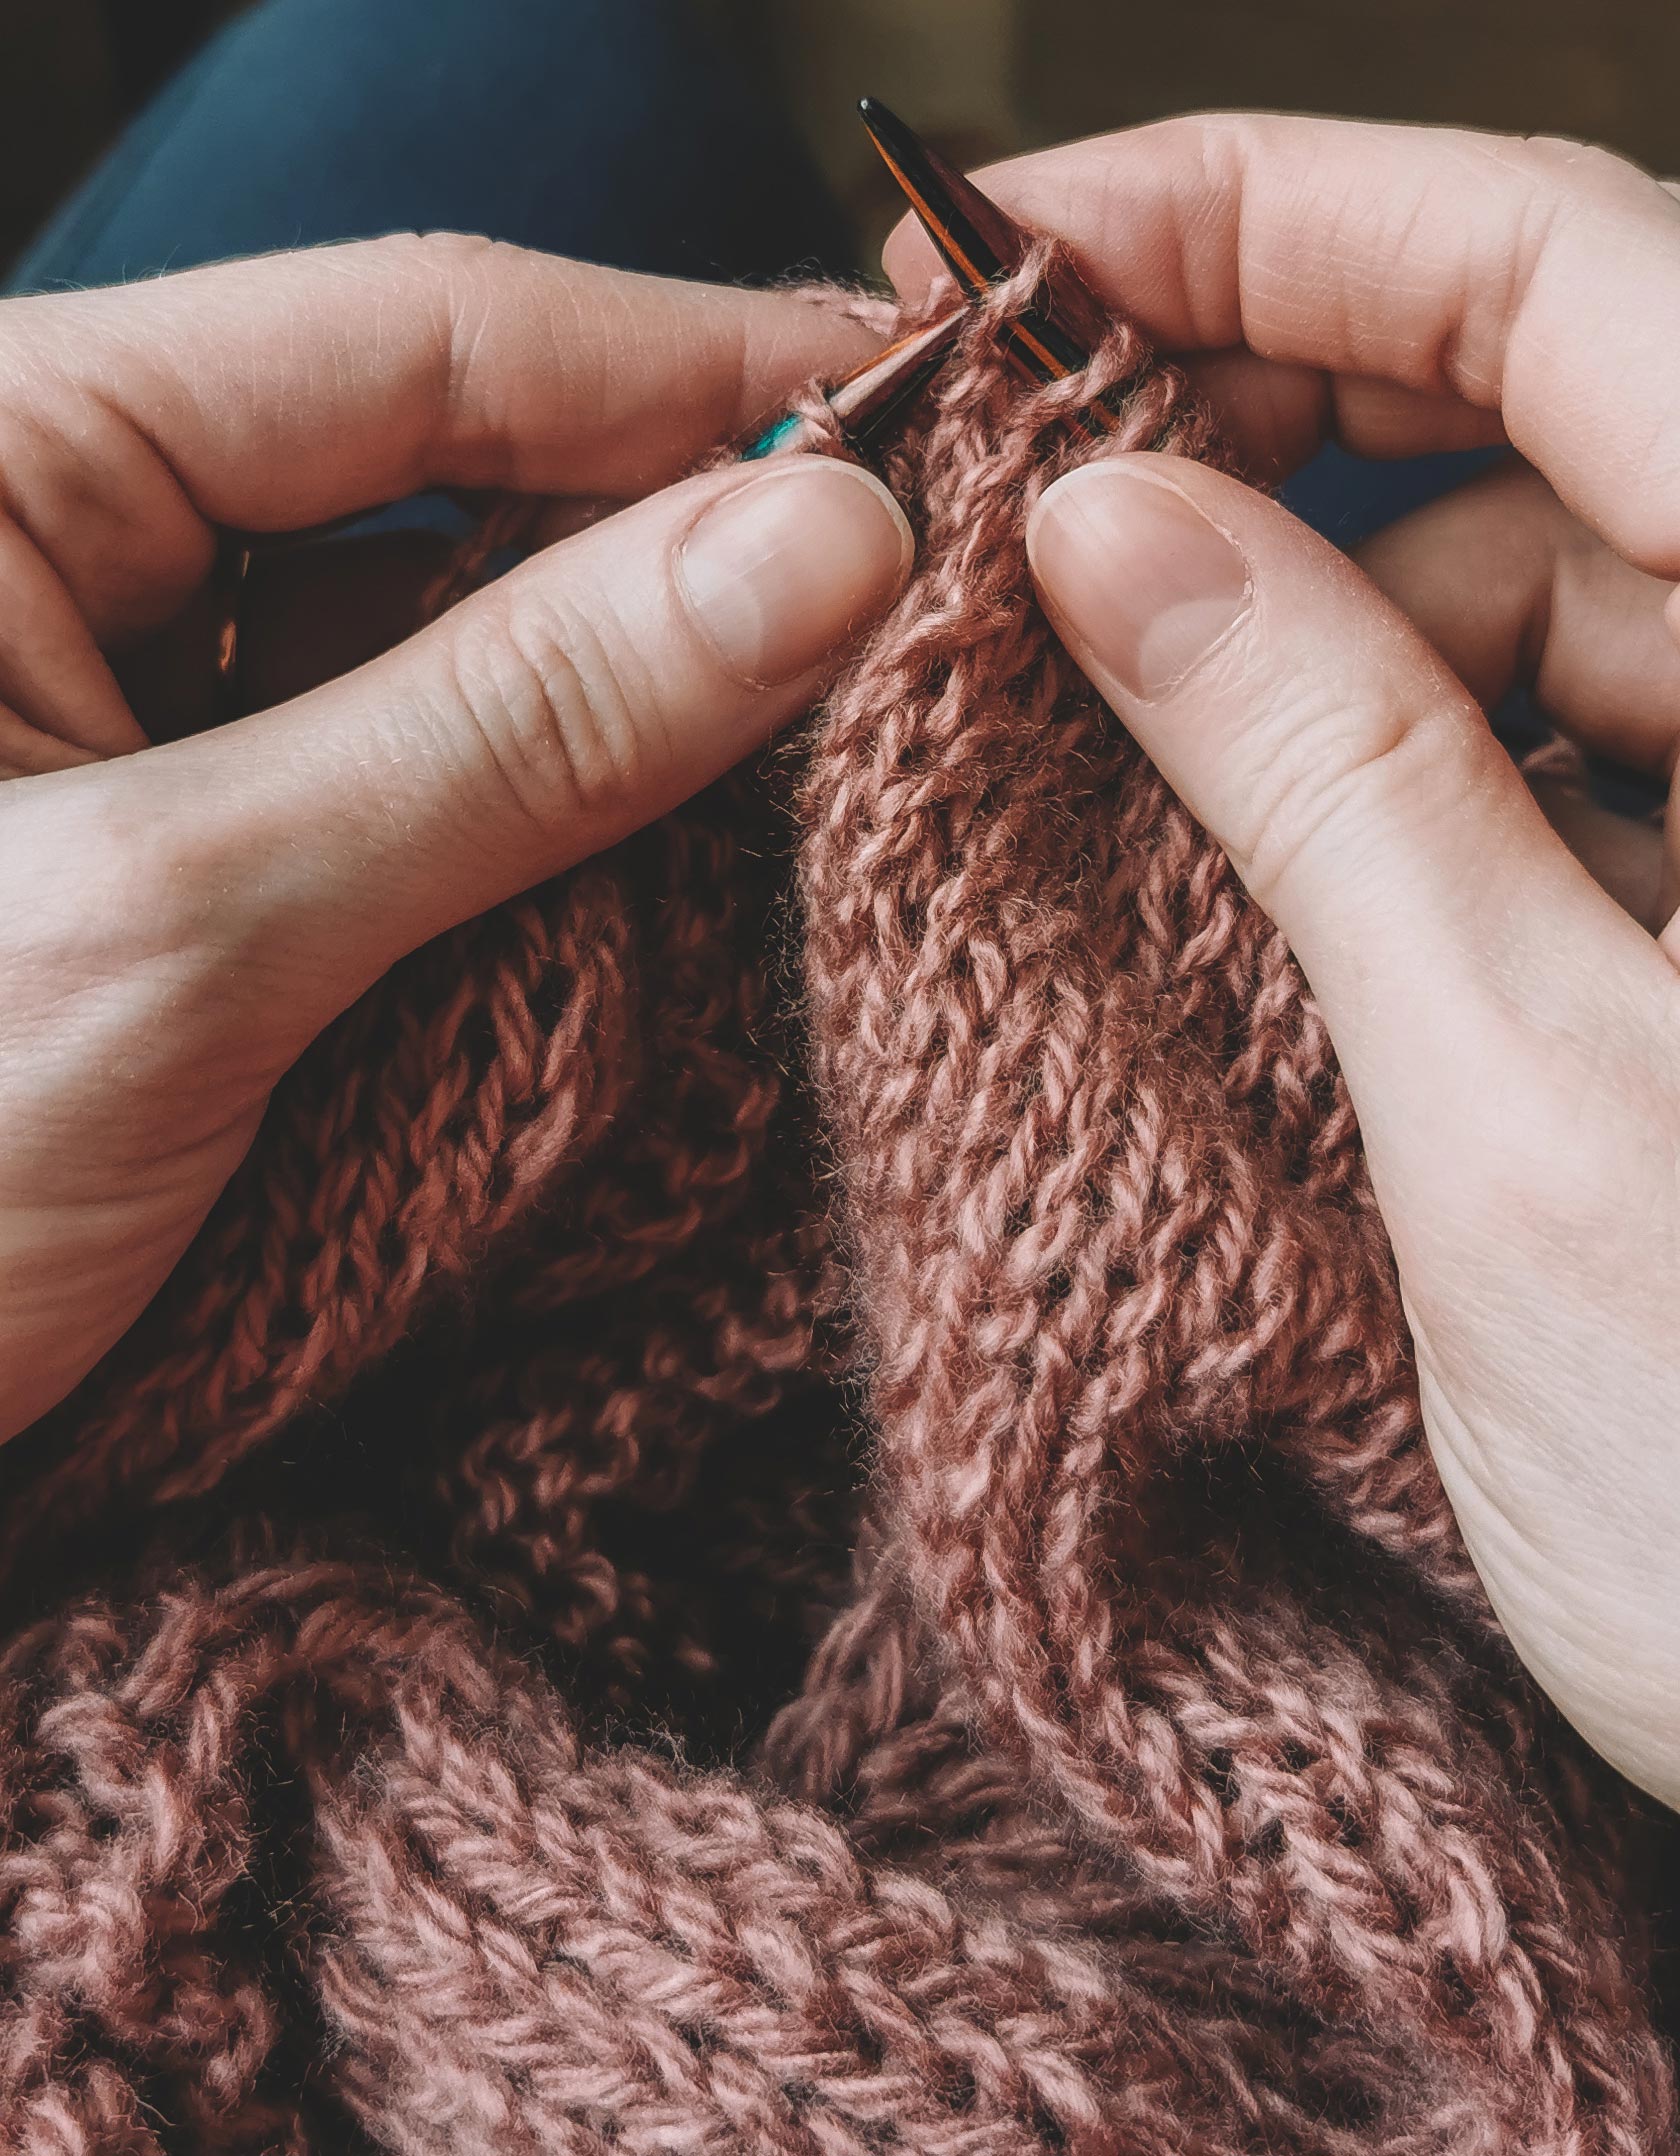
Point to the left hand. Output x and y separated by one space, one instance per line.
178 921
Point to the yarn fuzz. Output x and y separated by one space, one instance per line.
785 1512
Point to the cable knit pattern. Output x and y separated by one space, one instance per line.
784 1511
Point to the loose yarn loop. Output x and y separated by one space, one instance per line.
541 1722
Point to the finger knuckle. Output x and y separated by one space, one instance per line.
118 892
1583 168
466 284
456 275
1574 1167
1333 771
438 258
556 707
160 886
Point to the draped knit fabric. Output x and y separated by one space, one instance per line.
784 1511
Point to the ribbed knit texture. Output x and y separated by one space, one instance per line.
784 1511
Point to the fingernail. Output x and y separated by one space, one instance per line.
1140 583
788 567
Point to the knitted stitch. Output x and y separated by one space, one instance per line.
796 1521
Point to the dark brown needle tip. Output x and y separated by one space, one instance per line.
977 242
980 244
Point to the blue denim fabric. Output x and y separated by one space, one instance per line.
612 130
607 129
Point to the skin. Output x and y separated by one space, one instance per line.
177 921
1507 1014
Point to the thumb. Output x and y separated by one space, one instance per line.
1350 777
585 693
1507 1033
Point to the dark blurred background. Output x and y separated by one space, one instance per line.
984 76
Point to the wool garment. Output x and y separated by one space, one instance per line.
784 1510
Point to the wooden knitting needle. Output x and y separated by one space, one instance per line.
982 245
867 401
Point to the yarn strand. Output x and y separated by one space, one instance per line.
784 1511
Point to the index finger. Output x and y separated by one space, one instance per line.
290 389
282 392
1535 278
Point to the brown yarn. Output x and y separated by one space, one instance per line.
691 1610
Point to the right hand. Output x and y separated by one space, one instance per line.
1508 1026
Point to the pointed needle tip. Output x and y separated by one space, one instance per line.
884 125
980 243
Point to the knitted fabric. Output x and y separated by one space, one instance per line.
784 1511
